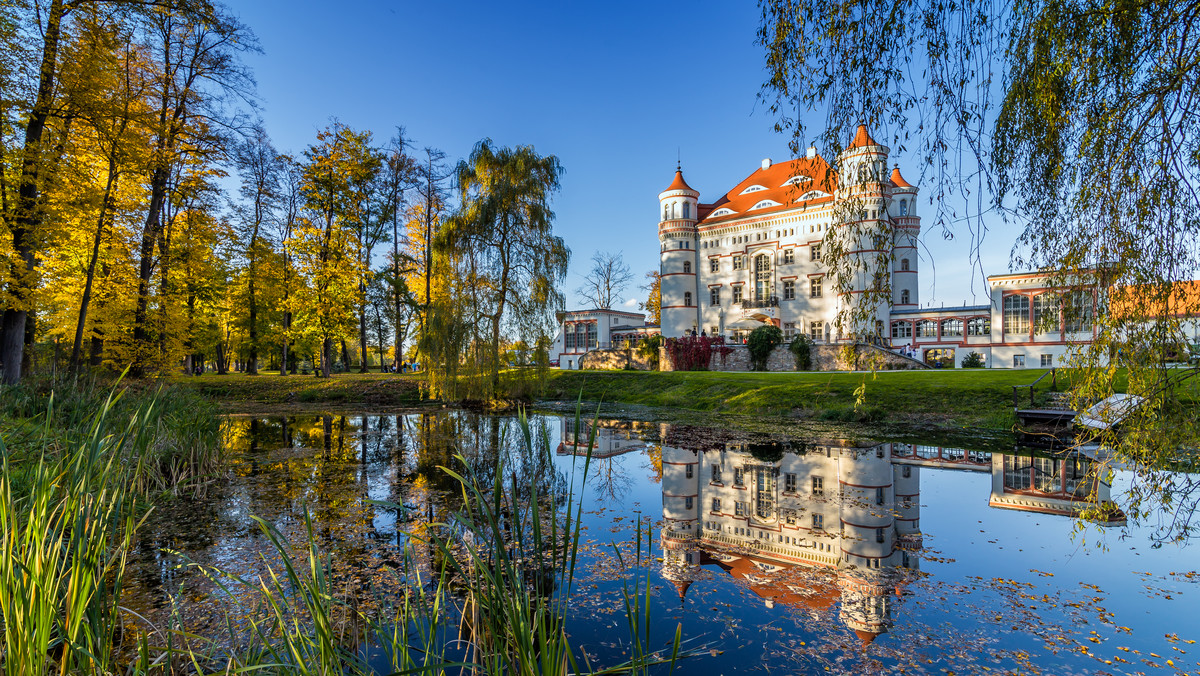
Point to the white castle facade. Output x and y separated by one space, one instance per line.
754 256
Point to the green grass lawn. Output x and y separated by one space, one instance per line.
235 389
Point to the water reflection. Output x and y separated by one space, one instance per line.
831 523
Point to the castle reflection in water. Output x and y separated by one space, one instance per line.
824 524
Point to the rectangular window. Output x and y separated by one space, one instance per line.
789 483
906 472
879 496
737 294
879 535
901 330
689 471
814 287
714 296
789 256
952 327
1078 311
789 330
1045 313
818 521
1016 315
716 504
1047 360
979 326
815 252
591 335
738 476
927 329
714 265
816 330
818 486
739 508
1018 361
712 331
789 290
716 474
569 339
737 263
687 503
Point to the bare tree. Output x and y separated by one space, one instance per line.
607 279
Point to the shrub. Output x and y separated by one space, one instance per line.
760 343
801 347
694 353
973 360
648 348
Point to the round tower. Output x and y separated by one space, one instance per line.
907 227
862 197
677 240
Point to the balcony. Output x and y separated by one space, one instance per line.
762 309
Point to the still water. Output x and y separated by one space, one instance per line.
773 553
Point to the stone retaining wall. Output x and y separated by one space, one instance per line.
824 358
615 359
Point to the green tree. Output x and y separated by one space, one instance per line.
506 221
761 342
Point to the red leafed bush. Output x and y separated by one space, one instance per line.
694 353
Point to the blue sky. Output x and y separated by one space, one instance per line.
615 90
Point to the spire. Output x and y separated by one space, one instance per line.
679 183
861 138
898 180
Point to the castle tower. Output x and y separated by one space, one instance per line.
863 196
681 508
907 227
677 238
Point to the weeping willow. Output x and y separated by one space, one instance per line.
1073 122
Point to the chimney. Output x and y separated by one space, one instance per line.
812 152
766 164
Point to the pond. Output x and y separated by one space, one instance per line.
771 553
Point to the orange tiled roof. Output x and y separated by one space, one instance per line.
861 138
898 180
773 179
679 183
819 592
866 636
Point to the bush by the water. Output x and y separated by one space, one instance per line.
760 343
801 348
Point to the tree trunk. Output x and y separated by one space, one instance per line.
28 217
150 234
105 205
326 356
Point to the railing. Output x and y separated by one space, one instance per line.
773 301
1053 373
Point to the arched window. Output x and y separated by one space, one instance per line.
904 297
666 211
903 263
687 299
862 173
762 277
687 267
687 210
903 207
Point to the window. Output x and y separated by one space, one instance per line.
1047 360
903 207
764 204
714 265
591 335
979 326
712 330
879 496
689 471
789 256
926 328
1016 315
814 287
906 472
818 521
903 263
789 290
815 330
738 263
879 535
716 504
666 212
789 330
737 294
1018 361
687 267
762 277
901 330
818 486
739 508
716 474
815 252
904 297
738 476
687 503
687 210
789 483
569 338
714 296
687 299
1077 311
952 327
1045 313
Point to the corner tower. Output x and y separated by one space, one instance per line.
863 199
677 240
907 228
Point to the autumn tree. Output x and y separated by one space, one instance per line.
652 306
603 284
505 218
258 165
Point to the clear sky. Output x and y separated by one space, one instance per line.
615 89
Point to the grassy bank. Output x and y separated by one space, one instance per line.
950 399
237 391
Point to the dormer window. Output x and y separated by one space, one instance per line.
812 195
796 180
721 212
764 204
753 188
